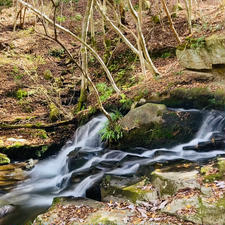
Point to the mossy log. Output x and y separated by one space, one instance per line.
37 125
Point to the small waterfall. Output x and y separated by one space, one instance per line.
83 161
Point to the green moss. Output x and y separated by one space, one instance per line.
167 187
101 220
54 114
221 165
48 75
156 19
193 43
20 94
136 192
56 201
15 145
221 202
160 132
1 143
41 151
209 174
4 159
41 133
7 3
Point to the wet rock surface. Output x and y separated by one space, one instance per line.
11 174
178 194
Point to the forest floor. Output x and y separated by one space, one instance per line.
37 79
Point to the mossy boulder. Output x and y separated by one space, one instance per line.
196 209
202 53
144 115
153 125
20 151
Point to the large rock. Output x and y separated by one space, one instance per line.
132 189
69 211
11 174
153 126
178 190
169 182
144 115
82 211
202 53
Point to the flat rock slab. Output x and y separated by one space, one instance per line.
74 211
168 183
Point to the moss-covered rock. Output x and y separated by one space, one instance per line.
82 211
202 53
196 97
26 151
169 182
152 126
214 172
144 115
134 189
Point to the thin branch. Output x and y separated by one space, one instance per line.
76 38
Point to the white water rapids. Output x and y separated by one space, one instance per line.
83 161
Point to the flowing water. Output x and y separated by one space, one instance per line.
83 161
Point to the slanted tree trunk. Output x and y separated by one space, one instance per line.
67 31
170 21
150 64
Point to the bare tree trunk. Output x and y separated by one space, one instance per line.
84 58
122 12
188 5
151 66
142 60
92 28
16 15
170 21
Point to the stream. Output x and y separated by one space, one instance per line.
83 161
